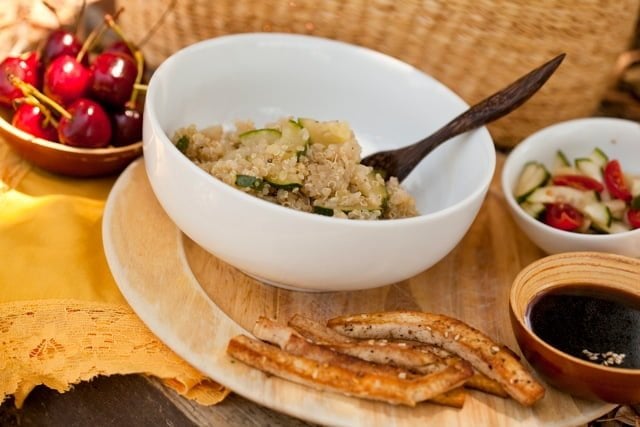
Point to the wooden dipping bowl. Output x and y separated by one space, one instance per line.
605 272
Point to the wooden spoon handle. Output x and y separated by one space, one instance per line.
486 111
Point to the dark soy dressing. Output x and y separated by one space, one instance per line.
581 317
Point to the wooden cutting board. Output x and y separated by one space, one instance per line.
195 303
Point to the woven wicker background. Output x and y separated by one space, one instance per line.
473 46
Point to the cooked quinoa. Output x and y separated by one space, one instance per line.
303 164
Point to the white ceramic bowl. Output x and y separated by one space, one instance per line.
619 139
388 104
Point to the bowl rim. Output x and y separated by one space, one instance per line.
540 137
539 341
151 116
26 137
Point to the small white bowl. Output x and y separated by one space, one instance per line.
267 76
619 139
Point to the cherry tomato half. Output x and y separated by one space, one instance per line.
563 216
614 180
579 182
633 215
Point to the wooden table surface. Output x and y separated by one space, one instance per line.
135 400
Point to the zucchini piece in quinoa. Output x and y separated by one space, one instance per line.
255 136
295 138
288 185
376 190
182 144
331 132
322 211
284 181
248 181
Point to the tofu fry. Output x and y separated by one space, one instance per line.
453 335
378 351
351 375
423 358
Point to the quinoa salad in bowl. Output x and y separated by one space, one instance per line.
309 165
258 197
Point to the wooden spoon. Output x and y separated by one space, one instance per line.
400 162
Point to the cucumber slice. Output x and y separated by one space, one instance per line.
255 136
605 196
618 227
560 194
589 168
533 176
616 207
566 170
560 161
332 132
635 187
635 192
585 226
534 210
598 157
600 215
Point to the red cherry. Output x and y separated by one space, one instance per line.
88 126
119 46
127 127
113 77
30 119
66 79
60 42
25 68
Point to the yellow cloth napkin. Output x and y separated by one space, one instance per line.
62 317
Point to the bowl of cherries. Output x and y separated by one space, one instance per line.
71 110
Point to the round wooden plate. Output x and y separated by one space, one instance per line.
195 303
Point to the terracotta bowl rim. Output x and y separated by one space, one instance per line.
527 329
27 138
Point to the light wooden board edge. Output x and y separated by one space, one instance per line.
164 293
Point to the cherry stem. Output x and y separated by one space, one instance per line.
137 54
137 87
116 28
30 91
48 117
96 34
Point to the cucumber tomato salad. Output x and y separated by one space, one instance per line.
591 195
